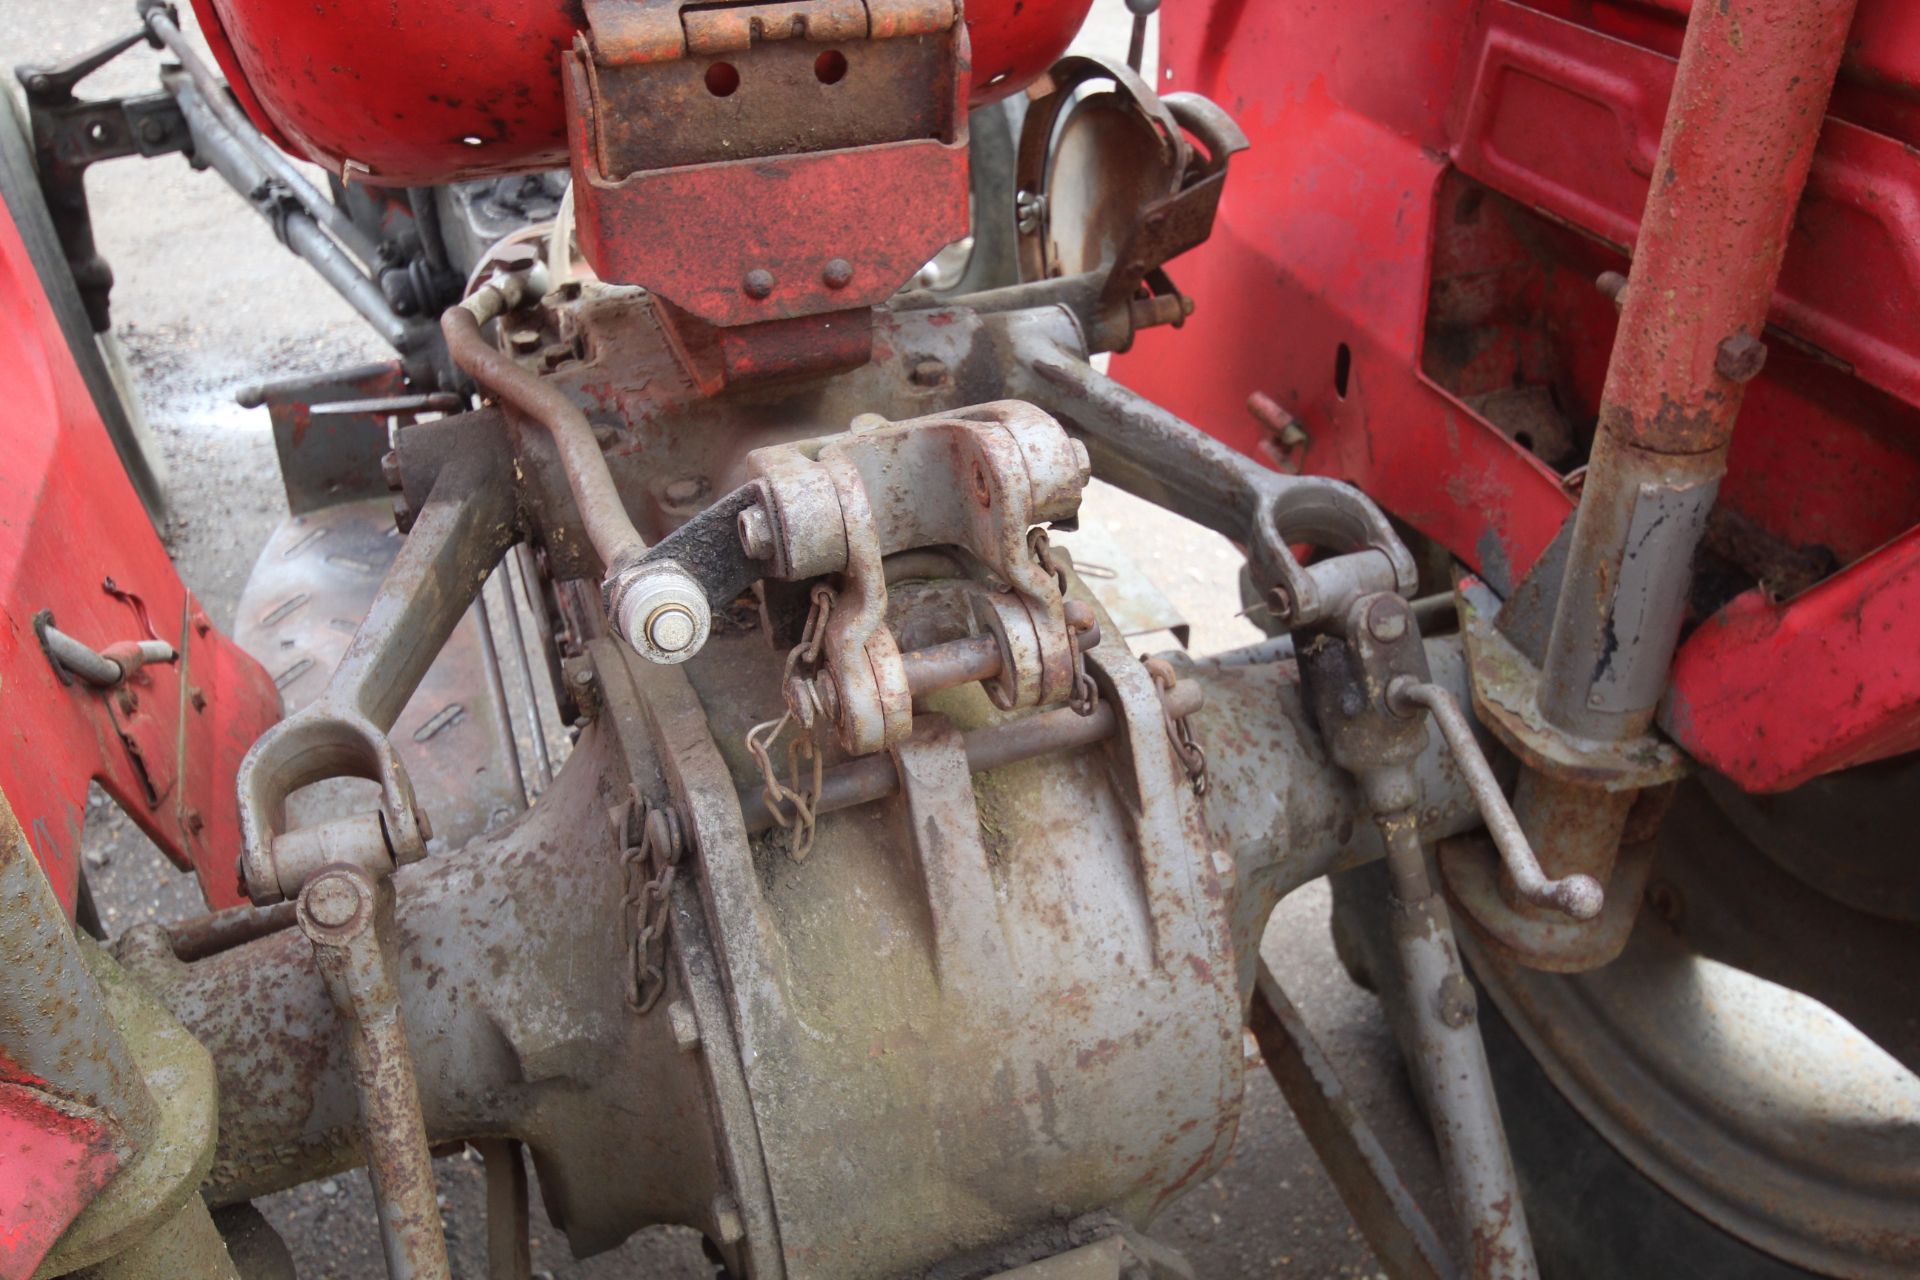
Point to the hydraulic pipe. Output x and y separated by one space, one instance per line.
1579 896
216 144
608 525
263 153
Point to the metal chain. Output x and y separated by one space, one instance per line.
1085 695
813 638
779 796
651 844
1179 732
799 823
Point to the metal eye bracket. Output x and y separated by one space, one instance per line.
977 479
466 525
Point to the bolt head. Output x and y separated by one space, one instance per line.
758 284
332 900
756 533
837 274
672 627
660 611
1740 358
929 373
1387 620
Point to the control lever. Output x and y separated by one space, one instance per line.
1579 896
1137 45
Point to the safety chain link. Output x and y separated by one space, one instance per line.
652 840
790 804
1085 697
1192 758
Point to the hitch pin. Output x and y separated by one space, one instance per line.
1579 896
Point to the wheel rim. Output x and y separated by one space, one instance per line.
1758 1107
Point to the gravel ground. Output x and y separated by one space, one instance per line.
207 301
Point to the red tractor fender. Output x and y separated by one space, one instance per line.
76 545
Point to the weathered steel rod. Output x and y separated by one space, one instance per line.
1449 1063
219 931
343 912
1362 1172
978 657
1579 896
875 777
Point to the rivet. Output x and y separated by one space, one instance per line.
759 283
1387 620
837 274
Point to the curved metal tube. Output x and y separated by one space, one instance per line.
602 512
107 669
1579 896
638 594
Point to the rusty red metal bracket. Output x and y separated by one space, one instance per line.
793 160
1773 695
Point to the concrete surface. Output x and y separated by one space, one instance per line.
207 300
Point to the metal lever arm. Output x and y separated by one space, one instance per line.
1140 447
1579 896
345 913
460 534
